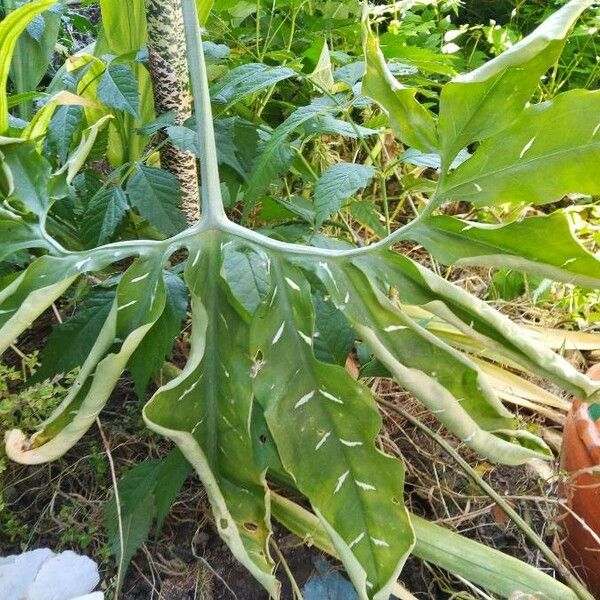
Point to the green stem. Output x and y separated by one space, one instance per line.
578 589
213 211
227 226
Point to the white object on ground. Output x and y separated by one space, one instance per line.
44 575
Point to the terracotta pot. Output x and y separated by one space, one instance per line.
581 451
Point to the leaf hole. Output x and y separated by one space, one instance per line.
251 526
262 438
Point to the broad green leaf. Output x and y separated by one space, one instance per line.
11 27
158 344
71 341
103 215
31 293
247 273
139 303
482 103
33 53
37 128
366 214
77 158
124 31
550 150
334 337
204 8
443 379
478 563
175 469
184 138
28 177
90 71
420 59
236 140
246 80
123 26
339 183
137 512
543 245
355 489
156 195
118 89
410 120
211 425
16 99
327 124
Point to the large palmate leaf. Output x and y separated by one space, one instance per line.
444 380
476 562
256 402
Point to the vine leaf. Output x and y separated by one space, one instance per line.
339 183
118 89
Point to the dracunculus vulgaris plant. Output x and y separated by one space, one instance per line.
253 403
